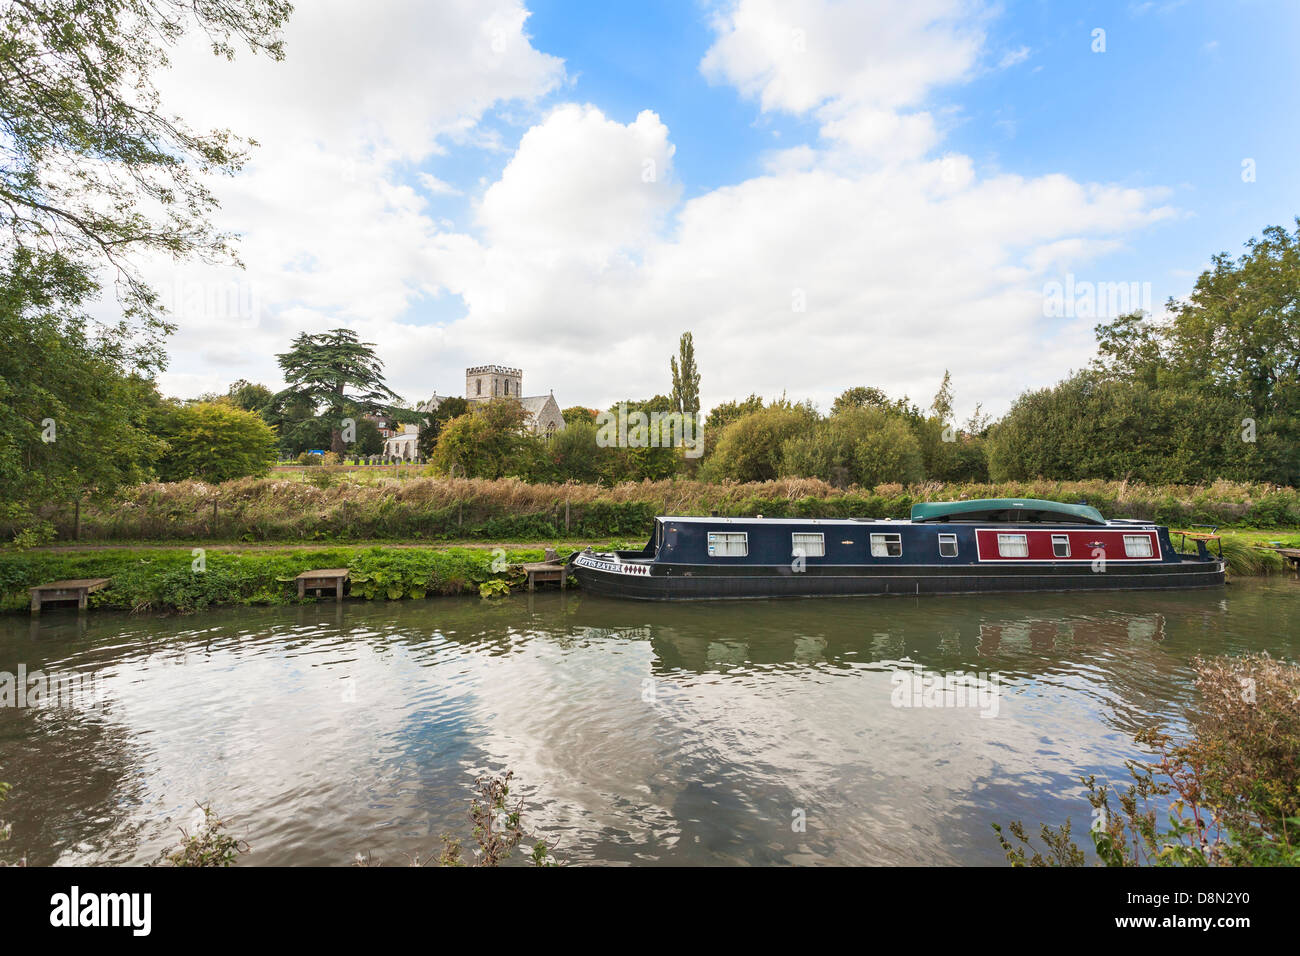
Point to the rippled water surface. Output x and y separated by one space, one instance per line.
637 733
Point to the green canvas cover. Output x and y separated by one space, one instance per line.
956 510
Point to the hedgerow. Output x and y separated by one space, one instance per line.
349 508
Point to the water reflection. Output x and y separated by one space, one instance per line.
639 733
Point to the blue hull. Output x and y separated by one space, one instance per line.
668 583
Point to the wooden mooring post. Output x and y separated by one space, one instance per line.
77 589
546 571
1292 555
322 580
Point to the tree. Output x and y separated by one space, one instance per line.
750 448
72 410
93 170
489 442
299 428
865 446
686 377
577 413
942 404
726 413
1233 345
213 441
948 453
574 455
860 396
92 167
1089 426
320 369
653 447
451 407
249 397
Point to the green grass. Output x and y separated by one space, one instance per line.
167 579
1242 552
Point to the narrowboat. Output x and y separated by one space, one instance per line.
954 547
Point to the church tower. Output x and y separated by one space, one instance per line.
486 382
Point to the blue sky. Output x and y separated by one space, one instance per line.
774 181
1183 93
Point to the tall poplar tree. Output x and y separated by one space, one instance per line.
686 377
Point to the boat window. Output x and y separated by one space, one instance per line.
1013 546
1061 545
808 544
728 544
886 545
1137 545
947 546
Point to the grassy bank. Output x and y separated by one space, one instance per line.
166 579
334 505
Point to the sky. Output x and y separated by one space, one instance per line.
826 194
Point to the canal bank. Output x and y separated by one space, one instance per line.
185 578
192 579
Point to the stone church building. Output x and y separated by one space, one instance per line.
482 384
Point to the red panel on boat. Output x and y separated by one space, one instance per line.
1084 545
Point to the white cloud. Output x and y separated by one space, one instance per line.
855 66
907 265
387 78
581 262
582 182
1012 57
435 186
904 273
882 134
796 55
330 231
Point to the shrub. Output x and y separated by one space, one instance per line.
863 446
1233 786
487 442
751 448
208 845
1089 426
213 441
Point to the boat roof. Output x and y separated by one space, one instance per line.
1006 509
983 510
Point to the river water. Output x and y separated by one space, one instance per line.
797 731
